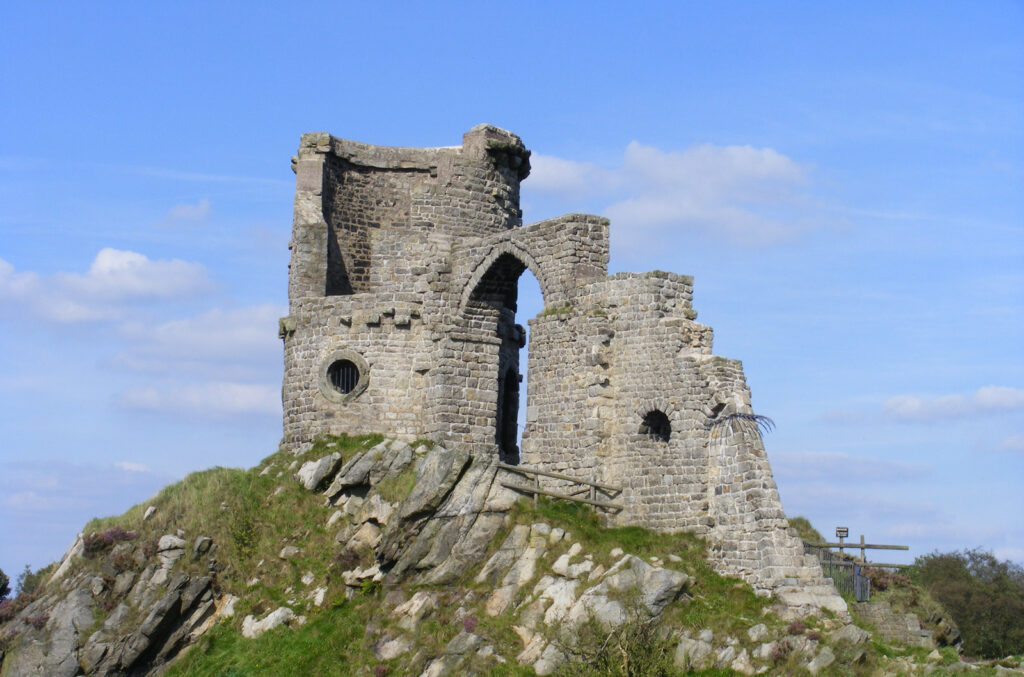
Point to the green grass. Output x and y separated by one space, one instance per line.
396 489
564 309
331 643
250 517
805 531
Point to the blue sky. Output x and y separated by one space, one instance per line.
844 181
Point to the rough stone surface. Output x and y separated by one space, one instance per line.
252 628
314 473
404 265
896 627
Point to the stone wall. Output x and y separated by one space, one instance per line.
405 266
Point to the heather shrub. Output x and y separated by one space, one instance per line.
796 628
7 637
102 541
123 560
780 652
38 621
883 579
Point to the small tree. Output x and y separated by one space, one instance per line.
28 580
985 597
5 585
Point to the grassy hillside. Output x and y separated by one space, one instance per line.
251 515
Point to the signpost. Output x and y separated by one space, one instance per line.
841 533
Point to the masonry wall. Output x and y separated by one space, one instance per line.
370 274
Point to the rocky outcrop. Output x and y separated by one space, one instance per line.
403 516
101 615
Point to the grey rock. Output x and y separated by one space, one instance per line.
315 473
201 546
354 473
253 628
57 656
824 659
288 552
392 648
742 664
850 634
170 542
692 653
758 632
725 656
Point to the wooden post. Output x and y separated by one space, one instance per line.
593 487
536 479
863 557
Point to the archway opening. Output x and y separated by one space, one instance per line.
497 302
656 426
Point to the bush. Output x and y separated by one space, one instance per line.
123 560
984 596
796 628
634 649
780 652
5 585
883 579
8 610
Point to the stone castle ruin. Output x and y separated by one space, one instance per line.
402 300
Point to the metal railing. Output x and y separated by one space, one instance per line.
845 573
590 487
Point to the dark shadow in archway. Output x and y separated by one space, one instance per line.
494 303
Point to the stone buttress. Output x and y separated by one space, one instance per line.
402 299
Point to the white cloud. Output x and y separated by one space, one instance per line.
984 401
131 466
215 399
189 212
550 174
746 195
230 343
838 466
1014 443
114 278
1012 553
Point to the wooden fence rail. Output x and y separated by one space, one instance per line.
590 486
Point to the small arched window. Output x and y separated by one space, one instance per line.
656 425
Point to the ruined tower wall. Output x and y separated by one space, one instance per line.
402 300
369 278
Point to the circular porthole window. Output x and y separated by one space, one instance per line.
344 375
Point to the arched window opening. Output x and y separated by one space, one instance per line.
656 425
